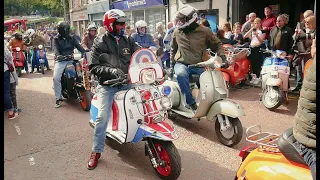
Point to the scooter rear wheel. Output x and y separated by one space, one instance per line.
235 126
170 155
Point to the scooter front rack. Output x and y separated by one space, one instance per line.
233 54
264 140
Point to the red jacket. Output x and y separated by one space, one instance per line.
269 22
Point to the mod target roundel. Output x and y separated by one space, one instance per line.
144 56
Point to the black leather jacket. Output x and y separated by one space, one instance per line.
65 46
118 55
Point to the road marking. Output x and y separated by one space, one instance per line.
31 161
17 129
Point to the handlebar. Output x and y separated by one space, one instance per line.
116 82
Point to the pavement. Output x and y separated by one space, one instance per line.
55 144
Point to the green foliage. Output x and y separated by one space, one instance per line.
26 7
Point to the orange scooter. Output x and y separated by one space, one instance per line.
272 157
239 64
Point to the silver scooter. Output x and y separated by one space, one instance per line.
212 102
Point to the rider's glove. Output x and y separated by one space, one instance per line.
116 73
224 62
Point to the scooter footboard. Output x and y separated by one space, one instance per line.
225 107
163 131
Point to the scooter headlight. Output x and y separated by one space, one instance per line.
148 76
18 49
165 102
40 46
166 90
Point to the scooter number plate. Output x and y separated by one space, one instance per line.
41 60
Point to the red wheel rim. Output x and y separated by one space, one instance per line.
84 100
164 156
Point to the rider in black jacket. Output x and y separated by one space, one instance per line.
119 50
63 45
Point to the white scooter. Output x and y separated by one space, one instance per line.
275 79
140 114
212 102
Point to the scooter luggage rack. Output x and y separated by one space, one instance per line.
264 140
233 56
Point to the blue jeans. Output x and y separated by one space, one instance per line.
57 74
309 156
183 73
35 60
6 91
106 95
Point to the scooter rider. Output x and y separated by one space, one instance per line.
88 39
188 46
35 40
17 41
143 38
64 45
119 48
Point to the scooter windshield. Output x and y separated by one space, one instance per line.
270 61
141 60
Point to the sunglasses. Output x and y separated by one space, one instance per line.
120 23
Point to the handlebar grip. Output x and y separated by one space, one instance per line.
112 81
193 65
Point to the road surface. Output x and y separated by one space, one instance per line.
49 143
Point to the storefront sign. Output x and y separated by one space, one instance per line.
134 4
78 16
98 7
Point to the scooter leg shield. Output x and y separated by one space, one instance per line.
225 107
274 82
226 76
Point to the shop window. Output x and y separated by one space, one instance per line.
138 15
153 16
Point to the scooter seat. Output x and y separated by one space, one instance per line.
194 78
285 144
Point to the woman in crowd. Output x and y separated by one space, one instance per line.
220 35
257 36
227 30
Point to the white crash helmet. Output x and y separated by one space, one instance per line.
141 23
185 16
30 32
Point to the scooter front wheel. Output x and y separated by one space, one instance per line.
231 136
42 68
85 100
168 153
272 98
18 71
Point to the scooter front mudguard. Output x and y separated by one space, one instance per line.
259 165
161 131
225 107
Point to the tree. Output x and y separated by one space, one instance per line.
25 7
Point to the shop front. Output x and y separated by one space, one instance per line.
152 11
79 19
97 10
